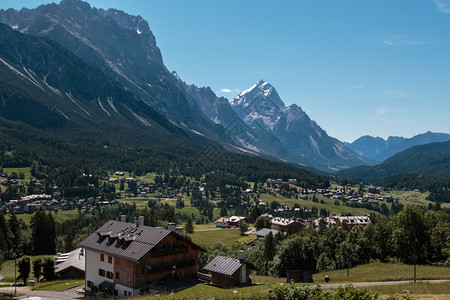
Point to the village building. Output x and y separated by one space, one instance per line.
234 220
221 222
71 265
260 234
124 259
352 221
286 225
227 272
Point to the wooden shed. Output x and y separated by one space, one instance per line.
229 272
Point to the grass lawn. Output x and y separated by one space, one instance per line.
418 290
212 292
259 291
7 270
383 272
58 285
141 203
25 171
60 216
227 236
205 226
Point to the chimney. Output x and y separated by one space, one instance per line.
123 218
241 255
171 227
179 230
141 220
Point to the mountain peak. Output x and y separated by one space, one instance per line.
263 92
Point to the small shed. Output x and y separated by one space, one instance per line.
265 231
299 276
71 265
229 272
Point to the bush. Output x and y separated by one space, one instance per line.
298 292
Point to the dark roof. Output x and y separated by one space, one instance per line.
127 240
225 265
265 231
73 260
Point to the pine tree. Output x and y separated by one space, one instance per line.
48 269
24 269
37 268
4 234
189 227
15 233
51 234
38 236
269 247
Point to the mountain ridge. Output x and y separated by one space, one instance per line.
432 160
379 149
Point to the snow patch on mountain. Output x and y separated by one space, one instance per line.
101 106
77 104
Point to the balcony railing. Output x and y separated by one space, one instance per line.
174 251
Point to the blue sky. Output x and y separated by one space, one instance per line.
356 67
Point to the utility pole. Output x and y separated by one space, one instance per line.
415 258
15 276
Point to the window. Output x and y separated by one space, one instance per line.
101 272
90 284
102 257
109 259
129 278
109 275
117 275
125 293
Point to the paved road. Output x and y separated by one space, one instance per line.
45 295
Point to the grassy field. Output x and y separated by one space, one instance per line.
439 291
25 171
227 236
365 273
384 272
58 285
205 226
418 290
7 270
60 216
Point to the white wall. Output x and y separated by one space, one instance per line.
93 264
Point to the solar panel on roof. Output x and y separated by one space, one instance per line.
140 231
125 228
129 230
134 230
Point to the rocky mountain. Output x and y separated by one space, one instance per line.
378 149
123 49
120 45
431 160
236 130
46 86
261 108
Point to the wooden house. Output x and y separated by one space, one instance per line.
124 259
227 272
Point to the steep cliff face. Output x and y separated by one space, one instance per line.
121 45
45 85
